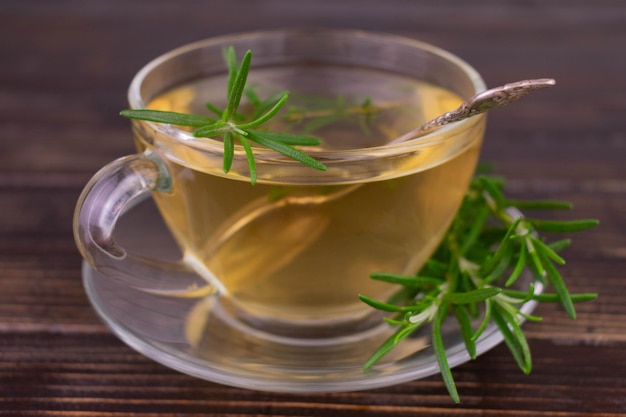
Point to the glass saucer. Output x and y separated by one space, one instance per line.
195 336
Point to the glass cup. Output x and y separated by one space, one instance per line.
265 294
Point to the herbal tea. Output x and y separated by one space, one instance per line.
274 289
305 250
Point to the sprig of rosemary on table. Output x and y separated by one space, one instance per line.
230 126
484 252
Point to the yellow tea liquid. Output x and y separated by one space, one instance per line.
306 250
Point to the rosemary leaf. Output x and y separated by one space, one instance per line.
563 226
380 305
252 97
214 109
394 322
216 129
475 229
559 286
496 259
237 87
492 188
440 353
485 322
389 344
230 58
435 267
173 118
474 296
267 116
320 122
550 298
540 205
548 251
534 256
250 157
519 267
466 329
289 139
559 245
513 337
406 280
229 150
263 106
284 149
502 265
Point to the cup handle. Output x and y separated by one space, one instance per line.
110 192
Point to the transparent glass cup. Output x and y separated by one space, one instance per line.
272 272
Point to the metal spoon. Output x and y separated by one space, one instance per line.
480 103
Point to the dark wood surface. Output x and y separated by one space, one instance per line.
64 69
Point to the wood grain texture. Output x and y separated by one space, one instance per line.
64 69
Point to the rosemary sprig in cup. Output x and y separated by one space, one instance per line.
484 252
229 125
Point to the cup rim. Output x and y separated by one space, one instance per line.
185 138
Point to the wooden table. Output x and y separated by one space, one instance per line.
64 69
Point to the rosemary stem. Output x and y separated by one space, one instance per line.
296 115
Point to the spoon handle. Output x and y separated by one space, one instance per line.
480 103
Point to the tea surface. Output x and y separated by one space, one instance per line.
346 108
305 251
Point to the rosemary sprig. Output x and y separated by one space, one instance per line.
484 252
232 126
319 112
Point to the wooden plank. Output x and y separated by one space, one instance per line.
63 77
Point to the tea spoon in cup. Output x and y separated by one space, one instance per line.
478 104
